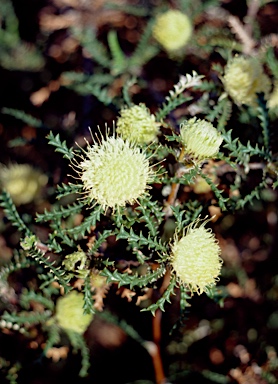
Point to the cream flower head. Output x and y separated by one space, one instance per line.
137 124
70 314
243 79
200 139
22 182
195 258
172 30
114 172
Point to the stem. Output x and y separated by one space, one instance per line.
175 186
155 349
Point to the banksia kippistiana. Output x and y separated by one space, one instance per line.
195 258
70 313
172 30
137 124
243 79
200 139
22 182
114 172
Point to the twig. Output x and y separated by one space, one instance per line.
243 34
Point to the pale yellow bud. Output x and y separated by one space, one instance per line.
172 30
137 124
195 258
243 79
200 139
22 182
70 313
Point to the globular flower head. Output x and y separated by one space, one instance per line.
172 30
200 139
195 258
115 172
70 313
243 79
137 124
22 182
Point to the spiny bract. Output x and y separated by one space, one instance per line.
195 258
200 139
115 172
137 124
172 30
243 79
70 313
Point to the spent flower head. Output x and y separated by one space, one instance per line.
195 258
70 313
137 124
172 30
114 172
244 78
200 139
22 182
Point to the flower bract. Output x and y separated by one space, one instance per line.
70 313
115 172
195 258
200 139
243 79
172 30
137 124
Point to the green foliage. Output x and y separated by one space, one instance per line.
129 248
61 146
21 115
15 53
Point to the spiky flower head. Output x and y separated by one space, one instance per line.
195 258
172 30
70 313
22 181
200 139
115 172
137 124
243 79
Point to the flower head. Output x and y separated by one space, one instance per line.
137 124
243 79
200 138
195 258
172 30
22 181
115 172
70 314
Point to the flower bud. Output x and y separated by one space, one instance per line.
22 182
200 139
137 124
70 314
195 258
243 79
172 30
